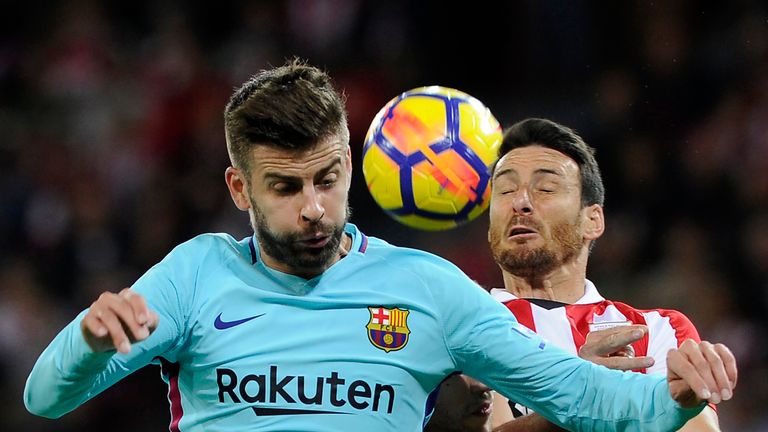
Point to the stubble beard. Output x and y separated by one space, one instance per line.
285 248
526 262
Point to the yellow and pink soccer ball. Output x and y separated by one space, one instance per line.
427 157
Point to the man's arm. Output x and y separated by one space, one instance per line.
530 423
112 338
503 419
93 352
701 372
706 421
487 343
610 348
667 335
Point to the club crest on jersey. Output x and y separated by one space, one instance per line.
388 328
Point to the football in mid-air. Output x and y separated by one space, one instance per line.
427 157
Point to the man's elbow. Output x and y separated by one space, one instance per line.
41 405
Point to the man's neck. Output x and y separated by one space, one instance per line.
565 284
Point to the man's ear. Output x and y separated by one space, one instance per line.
238 187
348 166
594 222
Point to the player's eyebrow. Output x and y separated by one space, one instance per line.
538 171
280 177
290 178
548 171
504 172
323 171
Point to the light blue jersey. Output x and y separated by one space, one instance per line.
360 347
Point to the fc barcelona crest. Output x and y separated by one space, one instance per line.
388 328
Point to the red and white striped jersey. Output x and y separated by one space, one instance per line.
567 325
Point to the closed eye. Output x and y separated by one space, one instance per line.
329 181
547 186
286 188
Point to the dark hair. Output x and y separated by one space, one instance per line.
546 133
292 106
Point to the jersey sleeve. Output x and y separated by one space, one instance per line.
68 372
488 343
667 331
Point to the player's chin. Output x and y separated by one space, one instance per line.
315 257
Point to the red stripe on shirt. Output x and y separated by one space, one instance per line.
580 317
521 309
684 328
171 371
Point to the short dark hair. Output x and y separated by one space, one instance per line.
546 133
292 106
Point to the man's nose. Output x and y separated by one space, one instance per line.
521 202
312 209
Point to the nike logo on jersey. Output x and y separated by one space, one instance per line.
223 325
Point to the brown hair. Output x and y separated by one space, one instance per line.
546 133
292 106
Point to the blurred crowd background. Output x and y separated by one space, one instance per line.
112 150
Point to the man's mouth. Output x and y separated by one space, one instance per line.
520 232
317 241
483 410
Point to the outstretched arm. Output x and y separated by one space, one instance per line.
611 348
694 369
91 353
698 372
117 335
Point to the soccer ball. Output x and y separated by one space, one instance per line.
427 155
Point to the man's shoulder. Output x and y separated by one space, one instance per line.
593 299
377 256
217 246
660 321
407 256
626 307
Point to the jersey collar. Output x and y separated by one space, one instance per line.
591 295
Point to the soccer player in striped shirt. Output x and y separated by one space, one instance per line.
310 325
463 404
546 211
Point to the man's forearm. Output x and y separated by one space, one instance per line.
528 423
64 375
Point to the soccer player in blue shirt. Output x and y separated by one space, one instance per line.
310 325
